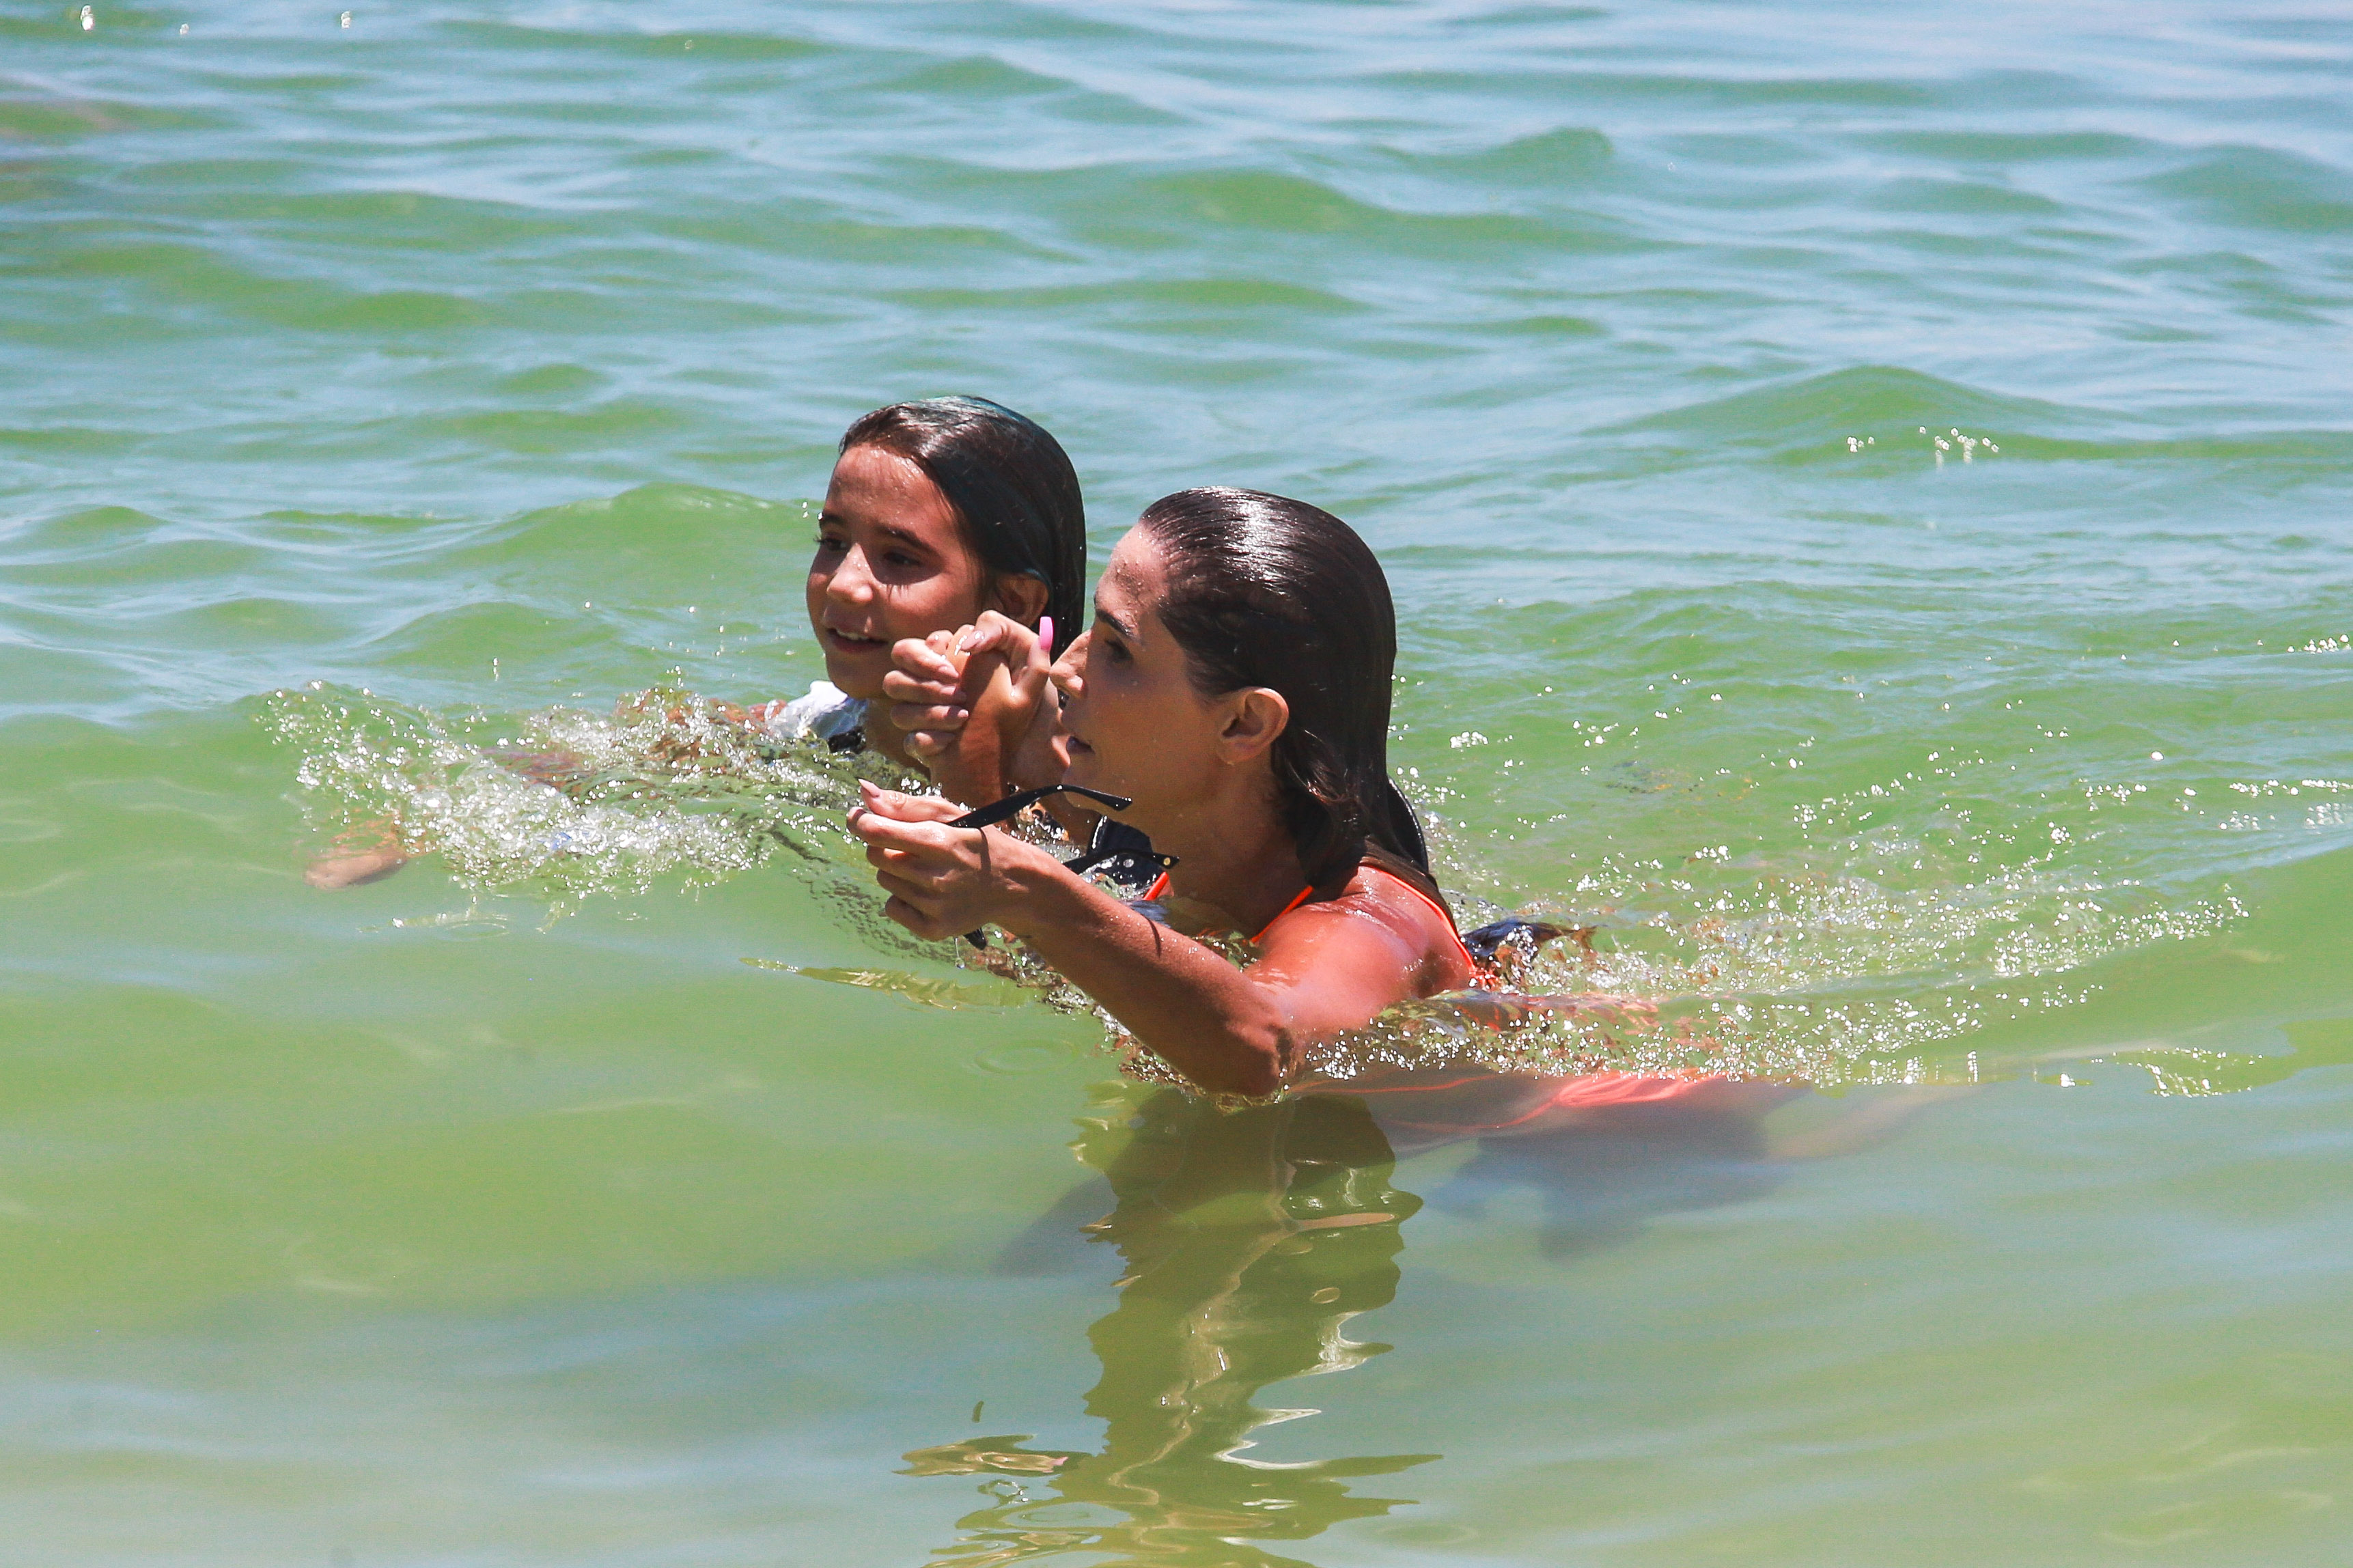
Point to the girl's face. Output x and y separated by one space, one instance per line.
1138 726
892 562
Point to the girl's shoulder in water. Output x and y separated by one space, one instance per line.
826 713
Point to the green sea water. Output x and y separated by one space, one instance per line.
1869 491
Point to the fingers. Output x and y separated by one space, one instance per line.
879 833
933 659
944 719
893 876
927 927
1069 672
914 892
997 633
350 870
1032 679
927 714
908 686
884 805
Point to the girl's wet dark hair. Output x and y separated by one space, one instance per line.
1010 482
1266 591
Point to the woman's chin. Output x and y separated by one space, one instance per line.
1086 770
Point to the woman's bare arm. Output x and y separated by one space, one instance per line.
1328 968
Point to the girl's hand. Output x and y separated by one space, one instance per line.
362 853
945 880
925 689
557 770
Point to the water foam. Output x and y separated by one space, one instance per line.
1869 951
564 804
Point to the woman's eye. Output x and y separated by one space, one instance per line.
824 543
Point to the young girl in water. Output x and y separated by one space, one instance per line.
938 512
1235 688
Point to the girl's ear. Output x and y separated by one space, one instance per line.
1255 719
1018 598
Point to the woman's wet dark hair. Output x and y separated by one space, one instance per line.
1010 482
1265 591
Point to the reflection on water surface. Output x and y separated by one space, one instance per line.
1248 1239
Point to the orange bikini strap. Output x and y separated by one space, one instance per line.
1160 887
1280 913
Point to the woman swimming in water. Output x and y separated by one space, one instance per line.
938 512
1234 688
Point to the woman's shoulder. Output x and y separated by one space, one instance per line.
1392 876
1405 897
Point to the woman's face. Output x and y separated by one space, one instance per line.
1137 725
890 563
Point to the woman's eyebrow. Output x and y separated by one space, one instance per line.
1113 622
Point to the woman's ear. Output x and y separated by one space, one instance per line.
1255 719
1018 598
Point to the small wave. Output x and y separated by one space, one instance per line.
1813 416
1548 157
2263 188
1271 202
712 43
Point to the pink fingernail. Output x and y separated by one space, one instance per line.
1046 633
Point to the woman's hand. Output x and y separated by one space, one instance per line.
1023 706
945 880
977 707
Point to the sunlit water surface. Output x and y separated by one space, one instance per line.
1867 491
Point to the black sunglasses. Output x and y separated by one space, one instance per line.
1013 806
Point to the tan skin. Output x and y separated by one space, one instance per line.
892 565
1199 771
